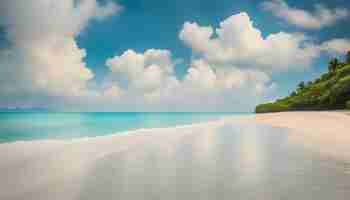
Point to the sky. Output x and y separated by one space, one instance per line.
162 55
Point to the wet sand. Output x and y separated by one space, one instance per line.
243 158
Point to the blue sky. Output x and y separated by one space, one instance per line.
107 29
156 24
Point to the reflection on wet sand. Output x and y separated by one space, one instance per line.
222 161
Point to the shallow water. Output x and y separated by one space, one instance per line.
229 161
16 126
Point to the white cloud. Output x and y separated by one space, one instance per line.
107 10
148 80
240 44
223 88
197 36
146 72
44 59
337 46
202 77
320 17
113 91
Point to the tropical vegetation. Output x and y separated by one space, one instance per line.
328 92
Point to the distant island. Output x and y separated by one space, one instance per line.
329 92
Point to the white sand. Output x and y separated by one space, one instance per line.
57 169
326 132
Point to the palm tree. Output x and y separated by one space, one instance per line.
301 85
333 64
348 58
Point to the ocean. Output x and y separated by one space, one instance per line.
18 126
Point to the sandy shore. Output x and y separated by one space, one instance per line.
322 122
326 132
58 169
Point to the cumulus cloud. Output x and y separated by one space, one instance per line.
43 58
320 17
147 80
221 89
201 76
146 71
238 43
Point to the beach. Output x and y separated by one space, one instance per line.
327 132
223 157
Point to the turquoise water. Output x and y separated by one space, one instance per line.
16 126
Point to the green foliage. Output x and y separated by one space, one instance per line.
341 91
325 76
271 107
348 105
330 91
345 70
333 65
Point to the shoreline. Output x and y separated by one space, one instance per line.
322 131
186 121
276 119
